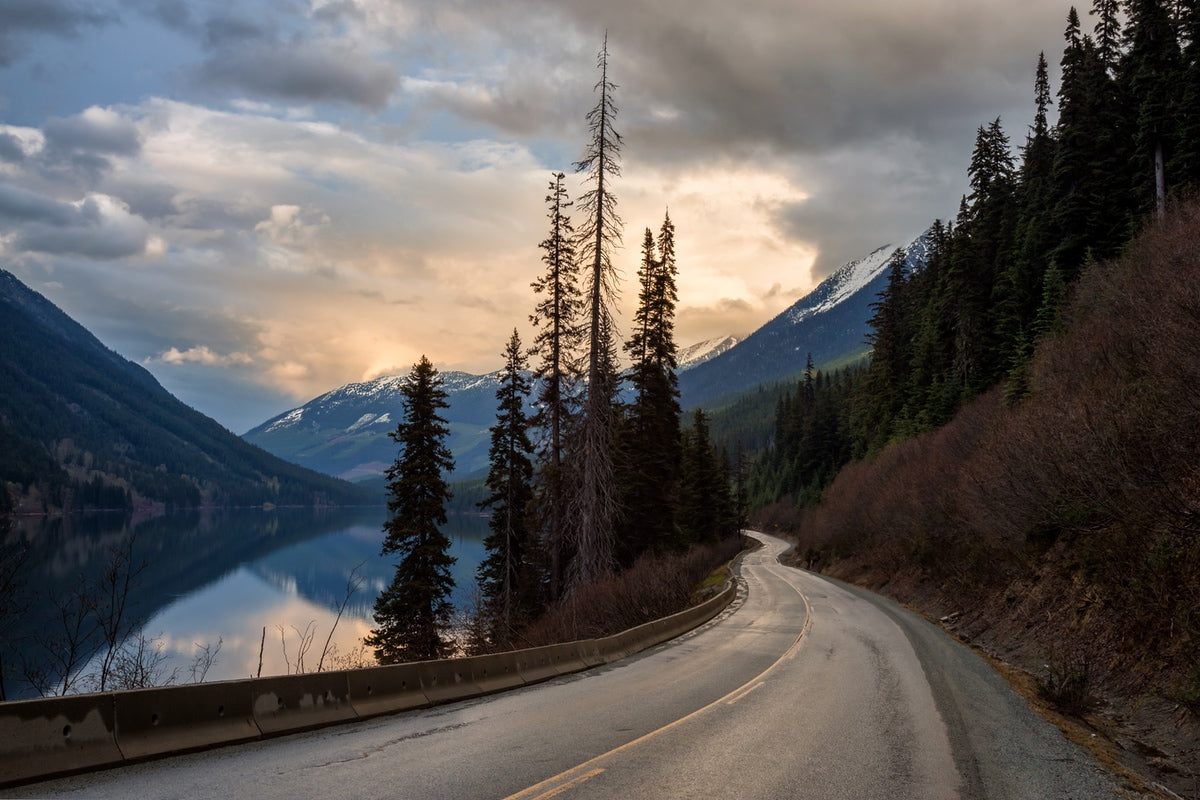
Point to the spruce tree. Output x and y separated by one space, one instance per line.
557 316
596 505
891 357
1020 286
1107 33
506 574
1185 164
652 430
1150 73
1080 187
413 612
701 483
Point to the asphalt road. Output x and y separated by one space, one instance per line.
802 688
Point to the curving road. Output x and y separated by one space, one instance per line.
802 688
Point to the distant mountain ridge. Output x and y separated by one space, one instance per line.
831 323
344 431
82 427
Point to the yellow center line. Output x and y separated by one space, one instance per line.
733 700
578 774
571 784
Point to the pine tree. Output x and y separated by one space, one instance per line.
1185 165
1089 174
556 345
596 505
983 251
891 357
1150 73
704 506
506 575
1020 285
652 430
413 612
1107 33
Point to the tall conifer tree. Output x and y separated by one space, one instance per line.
413 612
596 506
1185 165
557 316
652 431
506 573
1150 73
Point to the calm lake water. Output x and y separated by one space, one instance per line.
220 575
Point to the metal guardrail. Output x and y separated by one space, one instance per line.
62 735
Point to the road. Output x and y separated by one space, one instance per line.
802 688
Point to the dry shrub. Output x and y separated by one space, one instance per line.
654 587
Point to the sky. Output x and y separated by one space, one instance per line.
262 200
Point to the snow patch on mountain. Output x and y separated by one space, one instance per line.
696 354
287 420
854 276
848 279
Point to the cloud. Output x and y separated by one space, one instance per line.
95 130
199 354
98 226
301 71
10 148
22 19
18 205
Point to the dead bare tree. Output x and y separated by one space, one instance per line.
354 582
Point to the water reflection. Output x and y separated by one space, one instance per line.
220 575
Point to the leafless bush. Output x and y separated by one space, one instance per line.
203 660
140 663
1066 680
304 641
356 658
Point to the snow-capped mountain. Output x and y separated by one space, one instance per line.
345 432
697 354
831 323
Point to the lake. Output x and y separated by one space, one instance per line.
210 576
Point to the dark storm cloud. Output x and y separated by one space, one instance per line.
21 19
312 72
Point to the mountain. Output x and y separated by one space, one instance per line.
702 352
831 323
345 432
80 427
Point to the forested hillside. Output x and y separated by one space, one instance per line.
1020 456
81 427
1125 145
